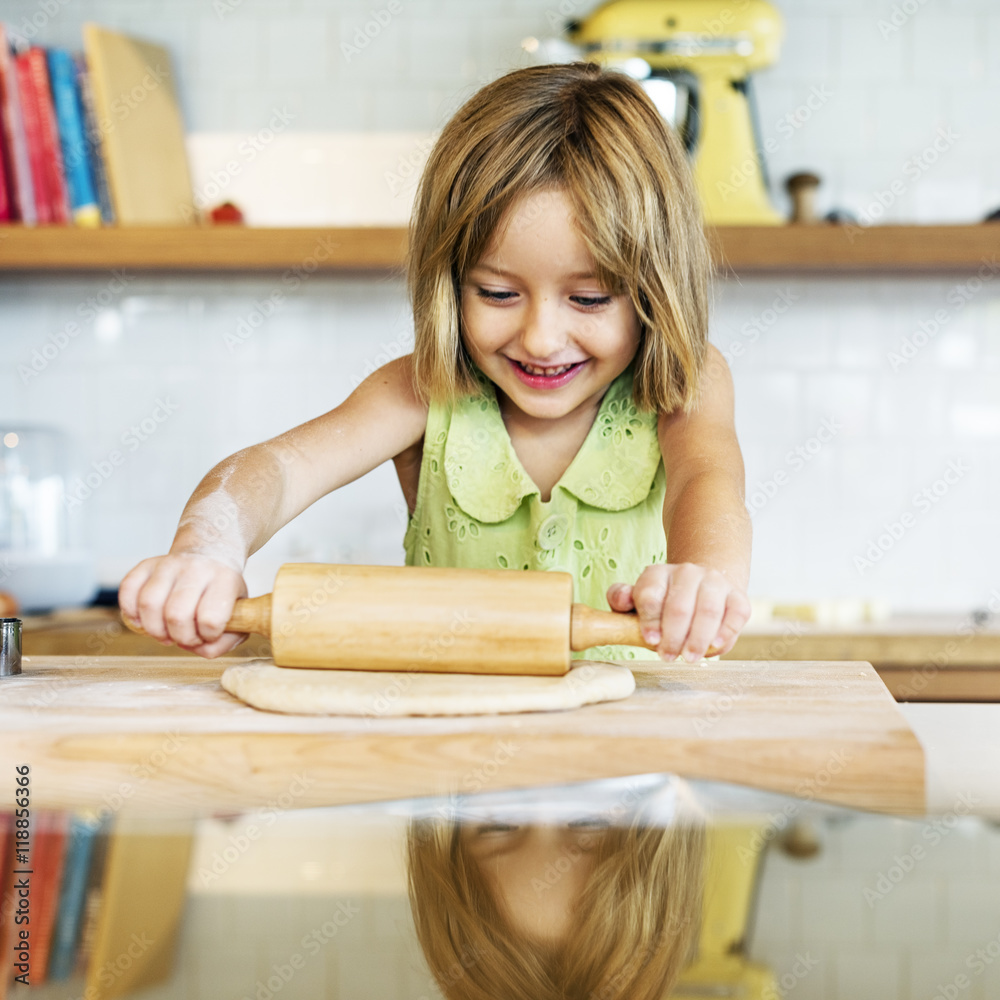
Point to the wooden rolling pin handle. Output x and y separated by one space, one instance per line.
590 627
250 614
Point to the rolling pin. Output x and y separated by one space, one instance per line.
468 621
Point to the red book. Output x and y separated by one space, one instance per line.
12 140
43 137
32 137
8 902
8 184
6 192
48 849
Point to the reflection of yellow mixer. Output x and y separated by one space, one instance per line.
694 57
722 968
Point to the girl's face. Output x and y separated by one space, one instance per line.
537 322
537 873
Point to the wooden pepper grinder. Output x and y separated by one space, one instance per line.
802 189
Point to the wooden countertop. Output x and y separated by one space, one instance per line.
160 734
919 657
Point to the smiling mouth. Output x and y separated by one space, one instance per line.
546 372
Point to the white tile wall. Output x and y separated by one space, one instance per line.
826 356
904 946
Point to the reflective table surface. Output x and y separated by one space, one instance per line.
648 886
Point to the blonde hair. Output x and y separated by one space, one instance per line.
596 135
635 929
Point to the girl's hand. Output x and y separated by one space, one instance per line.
684 609
184 599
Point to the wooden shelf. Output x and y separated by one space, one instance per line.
826 249
740 250
222 248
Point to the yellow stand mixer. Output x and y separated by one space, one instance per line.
695 57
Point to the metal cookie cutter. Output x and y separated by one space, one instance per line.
10 646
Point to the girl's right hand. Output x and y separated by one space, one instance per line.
184 599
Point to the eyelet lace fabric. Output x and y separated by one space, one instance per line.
478 508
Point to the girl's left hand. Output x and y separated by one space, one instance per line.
684 609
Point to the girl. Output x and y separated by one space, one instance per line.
562 408
603 905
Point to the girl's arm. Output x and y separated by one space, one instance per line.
699 598
187 596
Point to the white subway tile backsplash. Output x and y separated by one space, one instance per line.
937 971
911 406
989 978
992 36
439 49
910 950
972 116
975 411
909 910
775 912
370 53
906 114
865 53
297 50
862 843
948 48
835 912
807 48
861 973
766 403
497 40
847 398
867 188
948 200
227 52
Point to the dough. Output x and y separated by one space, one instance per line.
382 693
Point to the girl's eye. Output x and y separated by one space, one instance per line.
591 301
589 823
488 828
485 293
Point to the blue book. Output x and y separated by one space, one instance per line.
73 138
94 146
66 933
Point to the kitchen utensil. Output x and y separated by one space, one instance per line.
427 619
10 646
40 562
801 188
695 59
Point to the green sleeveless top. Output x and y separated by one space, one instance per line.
477 508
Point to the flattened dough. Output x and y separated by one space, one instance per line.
382 693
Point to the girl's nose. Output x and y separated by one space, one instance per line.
542 335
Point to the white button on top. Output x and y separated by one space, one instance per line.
552 531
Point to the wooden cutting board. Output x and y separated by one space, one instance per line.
159 734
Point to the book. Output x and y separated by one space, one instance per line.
14 140
6 195
92 896
143 897
142 134
39 123
50 155
8 902
48 849
72 139
72 897
93 134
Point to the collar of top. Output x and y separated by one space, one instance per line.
614 468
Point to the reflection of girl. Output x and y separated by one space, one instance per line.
582 909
